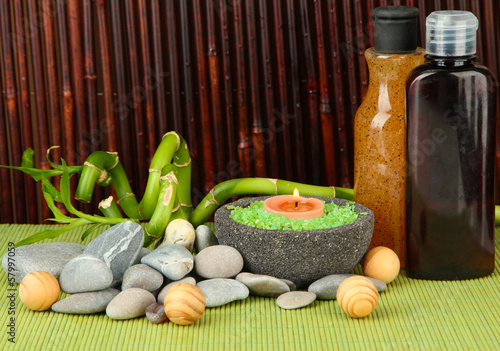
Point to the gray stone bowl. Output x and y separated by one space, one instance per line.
300 256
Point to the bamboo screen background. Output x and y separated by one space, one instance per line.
257 88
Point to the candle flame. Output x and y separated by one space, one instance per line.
296 195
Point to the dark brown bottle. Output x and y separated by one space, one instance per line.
450 157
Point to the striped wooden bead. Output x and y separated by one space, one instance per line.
184 303
39 290
357 296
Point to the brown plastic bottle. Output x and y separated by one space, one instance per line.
451 104
379 125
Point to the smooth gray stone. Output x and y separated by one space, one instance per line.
85 273
130 303
221 291
163 292
156 313
219 261
142 276
205 237
290 284
326 287
86 303
144 251
263 285
50 257
295 299
174 261
118 247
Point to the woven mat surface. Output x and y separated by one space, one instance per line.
411 315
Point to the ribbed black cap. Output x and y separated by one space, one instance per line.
395 28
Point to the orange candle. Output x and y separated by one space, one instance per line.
294 206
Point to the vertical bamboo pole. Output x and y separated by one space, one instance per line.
370 6
450 4
295 107
189 100
360 49
75 45
141 144
421 20
89 75
7 213
475 8
11 100
213 63
342 114
120 104
253 66
66 86
173 55
325 107
282 113
311 89
245 148
233 164
27 134
159 72
146 64
437 5
266 63
203 93
51 76
39 94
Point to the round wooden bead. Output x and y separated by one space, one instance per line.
184 303
381 263
39 290
357 296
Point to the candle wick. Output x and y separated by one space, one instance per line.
296 203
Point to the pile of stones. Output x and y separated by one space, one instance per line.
115 274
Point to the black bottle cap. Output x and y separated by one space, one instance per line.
395 28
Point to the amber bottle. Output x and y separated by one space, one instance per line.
379 125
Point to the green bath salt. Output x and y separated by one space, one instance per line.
254 215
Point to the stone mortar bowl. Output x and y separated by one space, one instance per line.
300 256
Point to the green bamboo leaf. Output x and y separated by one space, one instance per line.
27 160
52 164
91 230
52 233
50 193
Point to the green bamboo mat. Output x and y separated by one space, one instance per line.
411 315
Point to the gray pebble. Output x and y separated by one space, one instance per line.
163 292
118 247
326 287
130 303
220 291
205 237
156 313
263 285
144 251
174 261
290 284
219 261
85 273
142 276
295 299
50 257
85 303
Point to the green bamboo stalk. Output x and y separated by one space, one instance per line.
497 215
109 208
172 146
263 186
164 204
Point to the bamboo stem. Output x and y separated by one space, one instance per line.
245 186
311 86
10 101
253 65
141 146
266 62
7 213
159 72
146 65
109 208
327 126
201 65
109 116
360 48
22 66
